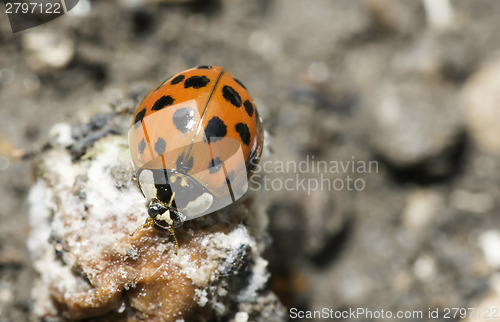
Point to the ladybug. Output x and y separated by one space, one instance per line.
194 140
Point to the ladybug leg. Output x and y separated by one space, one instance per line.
172 232
171 229
149 223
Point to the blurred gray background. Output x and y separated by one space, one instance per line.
413 85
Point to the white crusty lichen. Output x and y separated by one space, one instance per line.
94 259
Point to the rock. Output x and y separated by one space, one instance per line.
392 15
489 242
413 125
477 202
48 50
421 209
424 268
95 258
439 13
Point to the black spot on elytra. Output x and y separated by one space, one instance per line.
214 165
138 118
204 67
248 107
238 81
183 165
244 132
163 102
196 82
160 146
215 129
142 146
177 80
183 119
231 96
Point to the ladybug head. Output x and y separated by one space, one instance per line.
173 197
164 216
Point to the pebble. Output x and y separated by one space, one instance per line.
48 50
476 202
489 242
4 163
411 123
420 209
60 134
481 95
424 267
439 13
241 317
318 71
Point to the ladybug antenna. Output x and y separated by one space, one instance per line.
172 232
